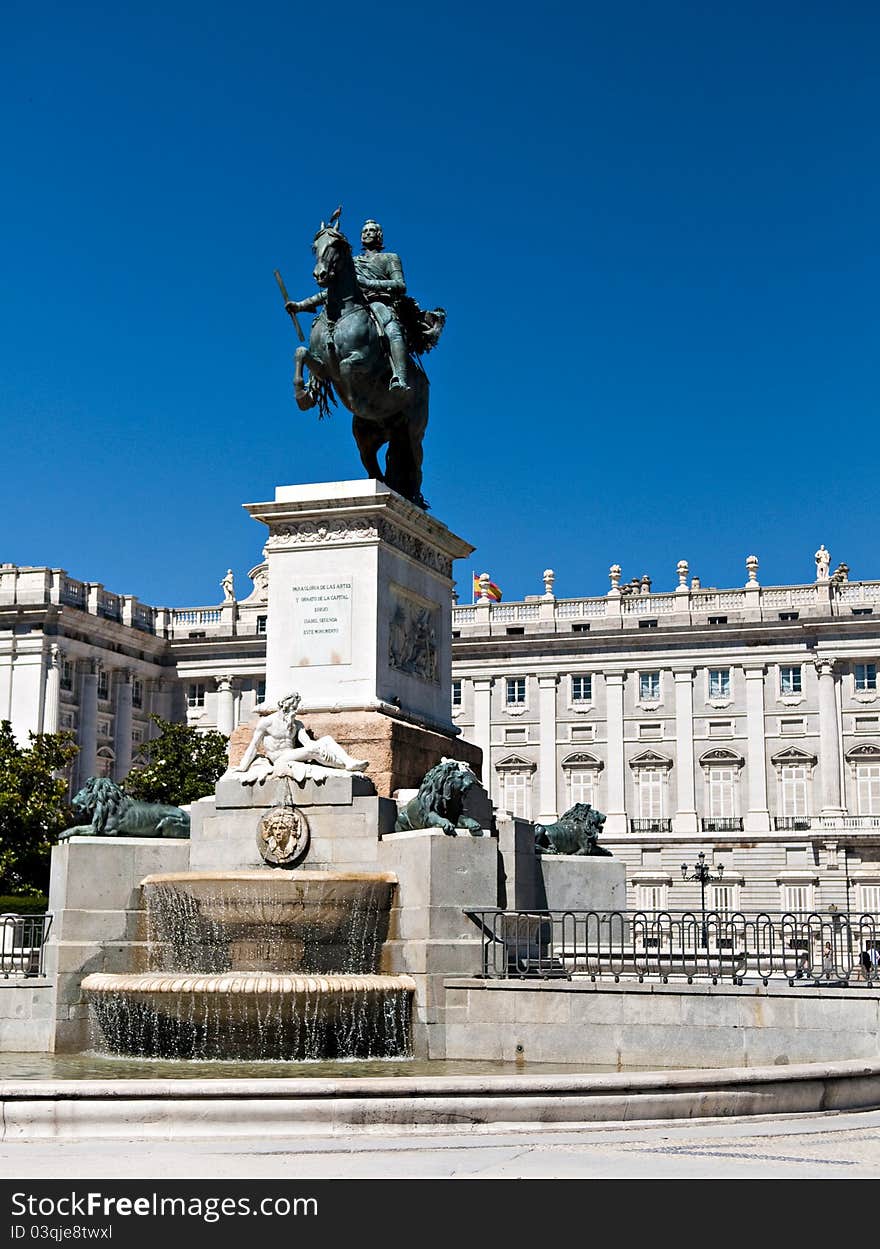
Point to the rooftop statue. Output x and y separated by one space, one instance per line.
281 746
365 346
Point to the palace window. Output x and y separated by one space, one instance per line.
261 691
103 683
866 676
515 793
650 794
649 687
793 728
723 900
581 786
516 692
790 680
720 728
66 674
137 693
261 623
650 732
582 689
456 693
869 899
719 683
195 695
868 788
720 782
797 898
793 789
652 898
104 762
581 779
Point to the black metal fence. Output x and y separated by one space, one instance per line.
22 944
803 948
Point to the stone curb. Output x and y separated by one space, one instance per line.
190 1109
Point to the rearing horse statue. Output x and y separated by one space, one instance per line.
348 356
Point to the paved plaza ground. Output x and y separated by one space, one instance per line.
830 1146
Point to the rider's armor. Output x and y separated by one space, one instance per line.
380 275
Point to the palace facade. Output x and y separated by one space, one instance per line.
743 722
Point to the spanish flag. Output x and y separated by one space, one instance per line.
492 590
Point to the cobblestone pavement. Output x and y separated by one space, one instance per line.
832 1146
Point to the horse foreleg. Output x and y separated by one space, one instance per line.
369 439
304 397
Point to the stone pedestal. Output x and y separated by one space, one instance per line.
96 902
360 624
430 936
345 819
399 753
360 599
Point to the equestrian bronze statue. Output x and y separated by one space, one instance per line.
365 347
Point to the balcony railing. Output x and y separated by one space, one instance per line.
793 823
650 826
811 948
722 823
22 943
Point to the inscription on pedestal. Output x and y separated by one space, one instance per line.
322 622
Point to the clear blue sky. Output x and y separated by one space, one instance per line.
654 226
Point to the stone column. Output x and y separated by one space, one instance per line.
225 706
548 812
159 692
757 819
616 813
52 699
7 659
122 724
87 736
685 819
829 740
483 728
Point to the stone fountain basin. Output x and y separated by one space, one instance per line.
252 983
267 920
252 1015
276 897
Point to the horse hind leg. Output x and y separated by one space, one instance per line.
369 439
403 464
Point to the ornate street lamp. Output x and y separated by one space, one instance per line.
703 873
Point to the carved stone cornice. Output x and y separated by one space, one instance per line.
345 531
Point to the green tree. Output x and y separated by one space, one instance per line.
33 806
180 765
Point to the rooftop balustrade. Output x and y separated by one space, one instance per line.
685 606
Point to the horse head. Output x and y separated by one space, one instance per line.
332 254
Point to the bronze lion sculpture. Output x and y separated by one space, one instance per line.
575 832
440 799
114 814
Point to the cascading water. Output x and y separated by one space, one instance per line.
259 965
